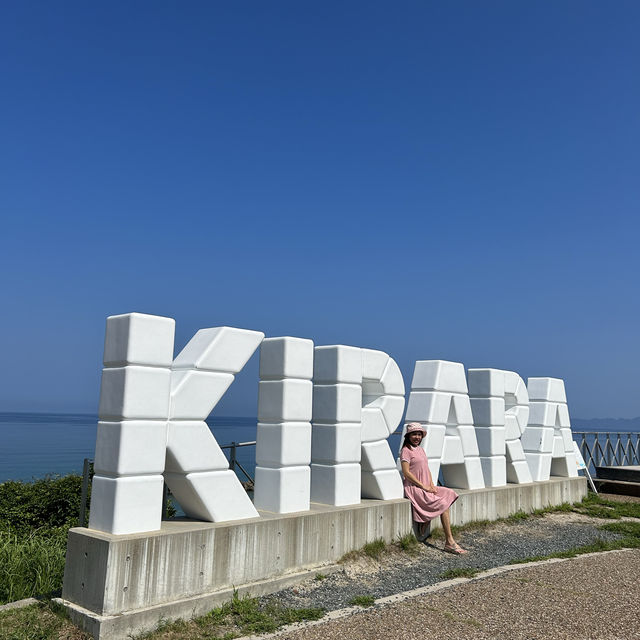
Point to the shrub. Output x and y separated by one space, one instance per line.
47 503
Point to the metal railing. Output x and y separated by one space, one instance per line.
233 459
603 448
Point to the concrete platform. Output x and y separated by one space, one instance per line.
622 473
118 586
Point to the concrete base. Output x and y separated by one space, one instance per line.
119 586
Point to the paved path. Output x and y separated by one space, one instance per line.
595 596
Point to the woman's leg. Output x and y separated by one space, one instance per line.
446 527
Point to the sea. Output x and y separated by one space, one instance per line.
34 445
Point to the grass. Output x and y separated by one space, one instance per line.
32 566
363 601
320 577
596 507
38 622
378 548
409 543
459 572
34 520
239 617
374 549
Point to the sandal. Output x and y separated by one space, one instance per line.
456 549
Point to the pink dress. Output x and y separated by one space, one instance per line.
426 506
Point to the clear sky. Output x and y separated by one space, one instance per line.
452 180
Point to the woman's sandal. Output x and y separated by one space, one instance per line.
456 549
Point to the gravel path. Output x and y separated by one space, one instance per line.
398 571
595 596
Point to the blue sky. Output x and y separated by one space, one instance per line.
454 180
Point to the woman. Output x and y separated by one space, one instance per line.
428 501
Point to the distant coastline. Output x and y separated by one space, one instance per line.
605 424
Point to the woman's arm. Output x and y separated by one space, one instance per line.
411 478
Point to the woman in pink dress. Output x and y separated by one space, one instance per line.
428 501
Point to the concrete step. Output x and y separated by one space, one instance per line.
628 473
619 487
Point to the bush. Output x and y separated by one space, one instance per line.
34 521
44 504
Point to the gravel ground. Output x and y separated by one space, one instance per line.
398 571
594 596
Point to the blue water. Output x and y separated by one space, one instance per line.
34 444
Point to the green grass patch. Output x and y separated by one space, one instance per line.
374 549
627 528
409 543
320 577
595 506
459 572
38 622
377 548
239 617
518 516
32 566
363 601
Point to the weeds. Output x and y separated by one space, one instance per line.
320 576
363 601
374 549
240 616
408 543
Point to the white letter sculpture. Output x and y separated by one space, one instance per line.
547 440
486 392
283 449
500 405
439 400
516 416
126 494
335 434
383 405
151 407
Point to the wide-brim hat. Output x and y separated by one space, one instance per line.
416 426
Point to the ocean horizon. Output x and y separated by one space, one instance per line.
35 445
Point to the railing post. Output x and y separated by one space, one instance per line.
83 495
232 457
